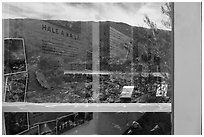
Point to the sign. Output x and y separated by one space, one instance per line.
127 92
162 90
14 56
58 31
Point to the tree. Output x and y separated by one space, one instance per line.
158 49
167 9
151 24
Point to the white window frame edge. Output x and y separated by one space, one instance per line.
85 107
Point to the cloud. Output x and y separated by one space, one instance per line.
130 13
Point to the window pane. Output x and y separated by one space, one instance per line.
106 61
88 123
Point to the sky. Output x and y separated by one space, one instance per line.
130 13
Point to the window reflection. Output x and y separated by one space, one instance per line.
95 68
